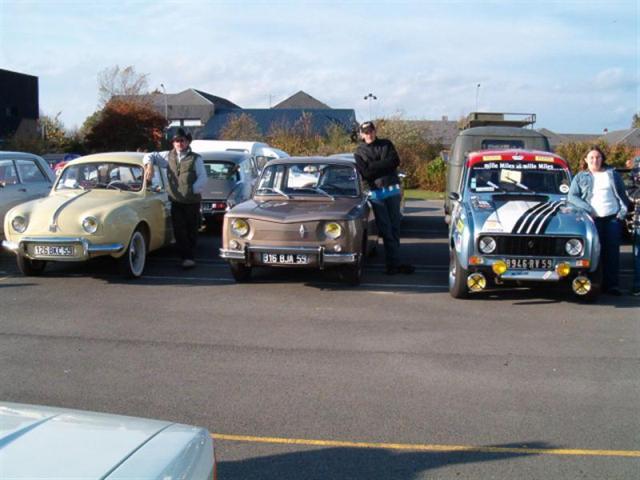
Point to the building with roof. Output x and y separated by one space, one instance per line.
629 137
19 104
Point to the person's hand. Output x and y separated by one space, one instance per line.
148 172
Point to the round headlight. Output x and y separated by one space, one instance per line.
19 223
487 244
332 230
239 227
90 224
573 247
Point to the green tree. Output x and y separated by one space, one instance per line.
115 81
635 121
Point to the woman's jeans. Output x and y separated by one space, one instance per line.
609 232
636 259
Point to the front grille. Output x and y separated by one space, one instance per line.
530 245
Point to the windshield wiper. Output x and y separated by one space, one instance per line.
318 190
496 187
516 183
276 190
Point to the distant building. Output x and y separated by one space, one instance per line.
443 131
18 104
286 114
629 137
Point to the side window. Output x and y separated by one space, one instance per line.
247 169
157 183
29 172
8 174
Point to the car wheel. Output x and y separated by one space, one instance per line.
30 268
241 273
457 277
133 261
352 274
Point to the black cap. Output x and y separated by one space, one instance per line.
180 133
367 126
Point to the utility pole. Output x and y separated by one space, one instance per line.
370 97
477 95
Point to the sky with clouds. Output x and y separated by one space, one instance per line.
573 63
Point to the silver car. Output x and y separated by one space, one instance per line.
511 225
23 177
230 178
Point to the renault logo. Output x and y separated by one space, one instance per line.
531 243
302 231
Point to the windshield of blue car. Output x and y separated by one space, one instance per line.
533 177
219 170
107 175
309 179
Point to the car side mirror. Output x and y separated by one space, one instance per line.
455 196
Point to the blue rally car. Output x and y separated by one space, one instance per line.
511 225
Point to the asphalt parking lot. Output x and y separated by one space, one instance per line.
301 377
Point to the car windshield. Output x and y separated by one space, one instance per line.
534 177
221 170
87 176
309 179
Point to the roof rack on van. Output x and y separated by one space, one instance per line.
484 119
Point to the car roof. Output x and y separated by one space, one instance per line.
117 157
310 160
501 131
226 156
8 154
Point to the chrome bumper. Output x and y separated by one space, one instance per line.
87 249
324 258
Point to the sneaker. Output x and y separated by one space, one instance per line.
188 263
635 291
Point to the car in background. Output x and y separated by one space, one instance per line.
260 152
100 205
512 225
325 221
489 131
230 178
23 177
50 442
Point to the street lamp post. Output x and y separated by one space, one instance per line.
370 97
477 95
166 113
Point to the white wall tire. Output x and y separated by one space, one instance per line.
133 261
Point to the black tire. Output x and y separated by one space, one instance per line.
457 277
240 272
133 261
352 274
30 268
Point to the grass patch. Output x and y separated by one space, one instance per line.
414 194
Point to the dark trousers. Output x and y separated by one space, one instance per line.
609 232
387 213
636 258
186 222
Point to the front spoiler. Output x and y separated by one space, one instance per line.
88 249
324 258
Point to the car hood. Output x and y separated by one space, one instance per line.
71 206
537 215
46 442
297 210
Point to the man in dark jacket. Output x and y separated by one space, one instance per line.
377 161
187 178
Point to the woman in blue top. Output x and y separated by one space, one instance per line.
600 191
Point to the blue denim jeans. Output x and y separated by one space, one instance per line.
387 213
636 259
610 233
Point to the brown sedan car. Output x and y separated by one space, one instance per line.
305 212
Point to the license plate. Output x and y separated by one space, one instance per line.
529 263
285 258
53 250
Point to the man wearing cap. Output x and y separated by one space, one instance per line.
187 178
377 161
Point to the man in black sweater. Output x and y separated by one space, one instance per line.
377 161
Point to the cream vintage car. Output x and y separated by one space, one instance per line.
99 205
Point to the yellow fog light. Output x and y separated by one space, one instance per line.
563 269
240 227
332 230
581 285
476 282
499 267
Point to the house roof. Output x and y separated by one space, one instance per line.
267 119
302 100
442 131
630 137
